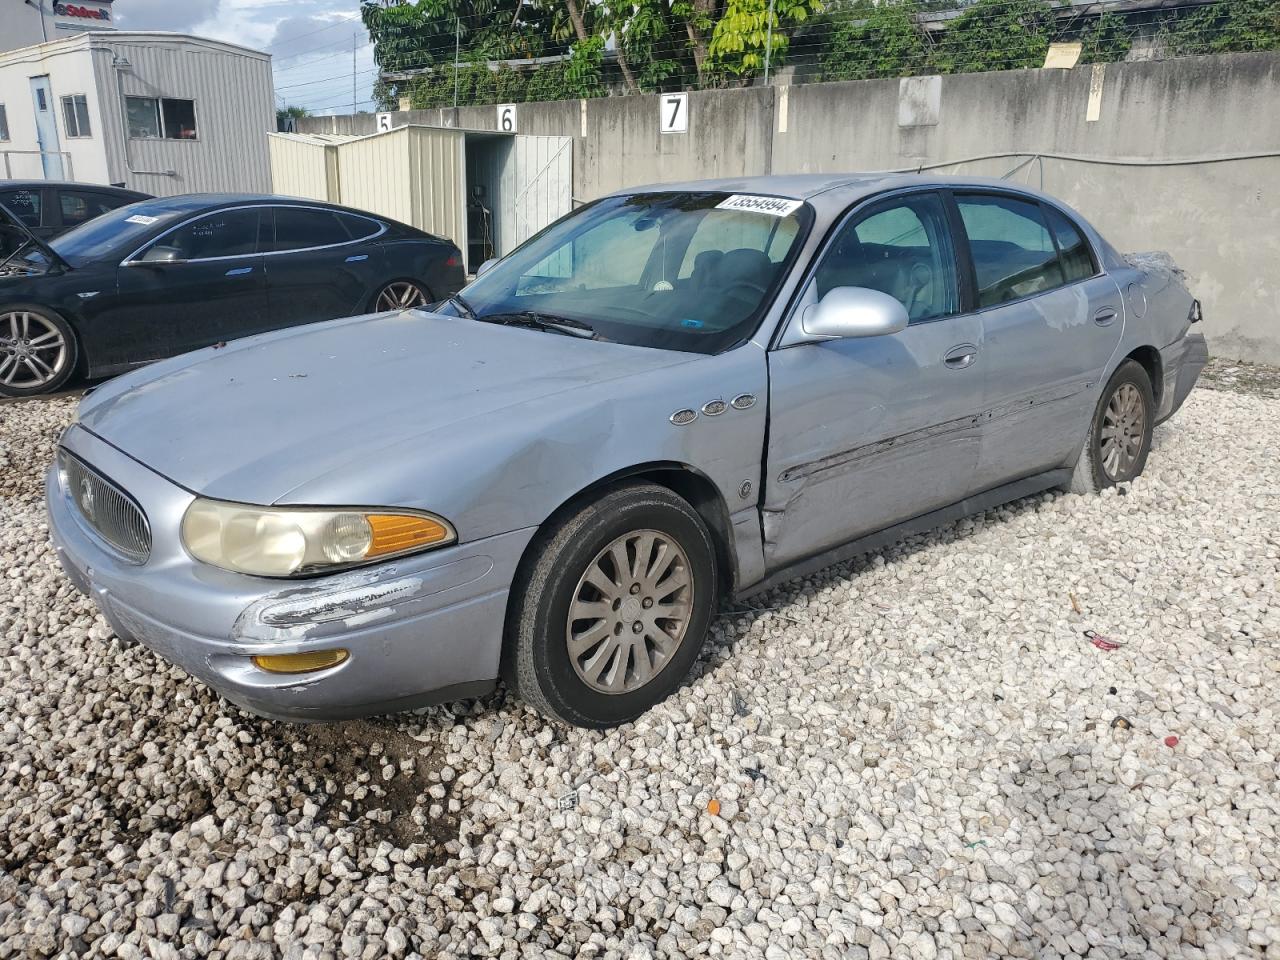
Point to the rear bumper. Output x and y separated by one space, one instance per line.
420 630
1181 362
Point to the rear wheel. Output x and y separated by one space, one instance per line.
37 351
1119 439
611 615
400 295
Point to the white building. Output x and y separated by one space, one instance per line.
39 21
159 112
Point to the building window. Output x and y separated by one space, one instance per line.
4 123
152 118
75 114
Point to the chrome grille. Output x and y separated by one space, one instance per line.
106 508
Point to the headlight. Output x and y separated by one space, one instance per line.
290 541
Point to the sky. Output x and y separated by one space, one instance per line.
309 42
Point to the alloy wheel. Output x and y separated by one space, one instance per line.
33 350
1124 428
630 612
401 295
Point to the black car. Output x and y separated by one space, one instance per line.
50 207
168 275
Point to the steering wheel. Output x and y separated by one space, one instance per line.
758 289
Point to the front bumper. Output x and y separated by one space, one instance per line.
419 630
1181 362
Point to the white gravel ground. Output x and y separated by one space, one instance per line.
915 755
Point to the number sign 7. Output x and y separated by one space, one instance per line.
674 113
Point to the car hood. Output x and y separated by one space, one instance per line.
254 419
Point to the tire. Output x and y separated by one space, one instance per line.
38 350
1097 469
406 294
573 688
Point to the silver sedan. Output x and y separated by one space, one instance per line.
674 395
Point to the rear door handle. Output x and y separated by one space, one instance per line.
957 358
1104 316
239 271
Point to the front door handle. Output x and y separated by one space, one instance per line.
957 358
239 271
1105 316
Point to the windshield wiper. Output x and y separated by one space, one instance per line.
541 321
468 310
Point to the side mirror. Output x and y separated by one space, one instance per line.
158 256
854 312
486 266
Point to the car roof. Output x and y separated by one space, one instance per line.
828 191
75 184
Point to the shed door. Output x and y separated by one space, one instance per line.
536 187
46 128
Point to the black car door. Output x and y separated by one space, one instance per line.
200 283
322 264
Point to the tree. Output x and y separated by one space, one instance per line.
1228 27
746 33
997 35
876 40
291 113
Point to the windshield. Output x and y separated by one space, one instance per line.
680 271
117 232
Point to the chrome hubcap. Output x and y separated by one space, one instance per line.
401 296
1124 426
32 351
630 612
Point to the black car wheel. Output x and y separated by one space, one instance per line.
1119 439
611 614
37 351
400 295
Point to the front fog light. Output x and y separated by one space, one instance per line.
308 662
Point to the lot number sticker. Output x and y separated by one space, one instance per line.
673 109
774 206
384 123
139 218
507 117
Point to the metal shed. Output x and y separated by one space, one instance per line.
486 191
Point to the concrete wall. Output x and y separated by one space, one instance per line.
1122 132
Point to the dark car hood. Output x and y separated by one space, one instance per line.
11 221
257 418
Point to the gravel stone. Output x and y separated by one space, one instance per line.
914 754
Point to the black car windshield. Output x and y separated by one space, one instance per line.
680 271
117 233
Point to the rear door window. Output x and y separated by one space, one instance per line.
1014 255
77 206
298 228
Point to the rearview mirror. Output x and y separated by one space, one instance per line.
157 256
485 267
854 312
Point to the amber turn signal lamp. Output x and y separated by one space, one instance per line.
398 533
307 662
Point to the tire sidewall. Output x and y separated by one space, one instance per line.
1128 372
73 350
561 568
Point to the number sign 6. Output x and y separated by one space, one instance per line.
507 117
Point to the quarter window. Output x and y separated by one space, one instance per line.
1013 253
226 233
160 118
1073 249
75 115
902 248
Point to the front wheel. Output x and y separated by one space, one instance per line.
37 351
1119 439
611 614
400 295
